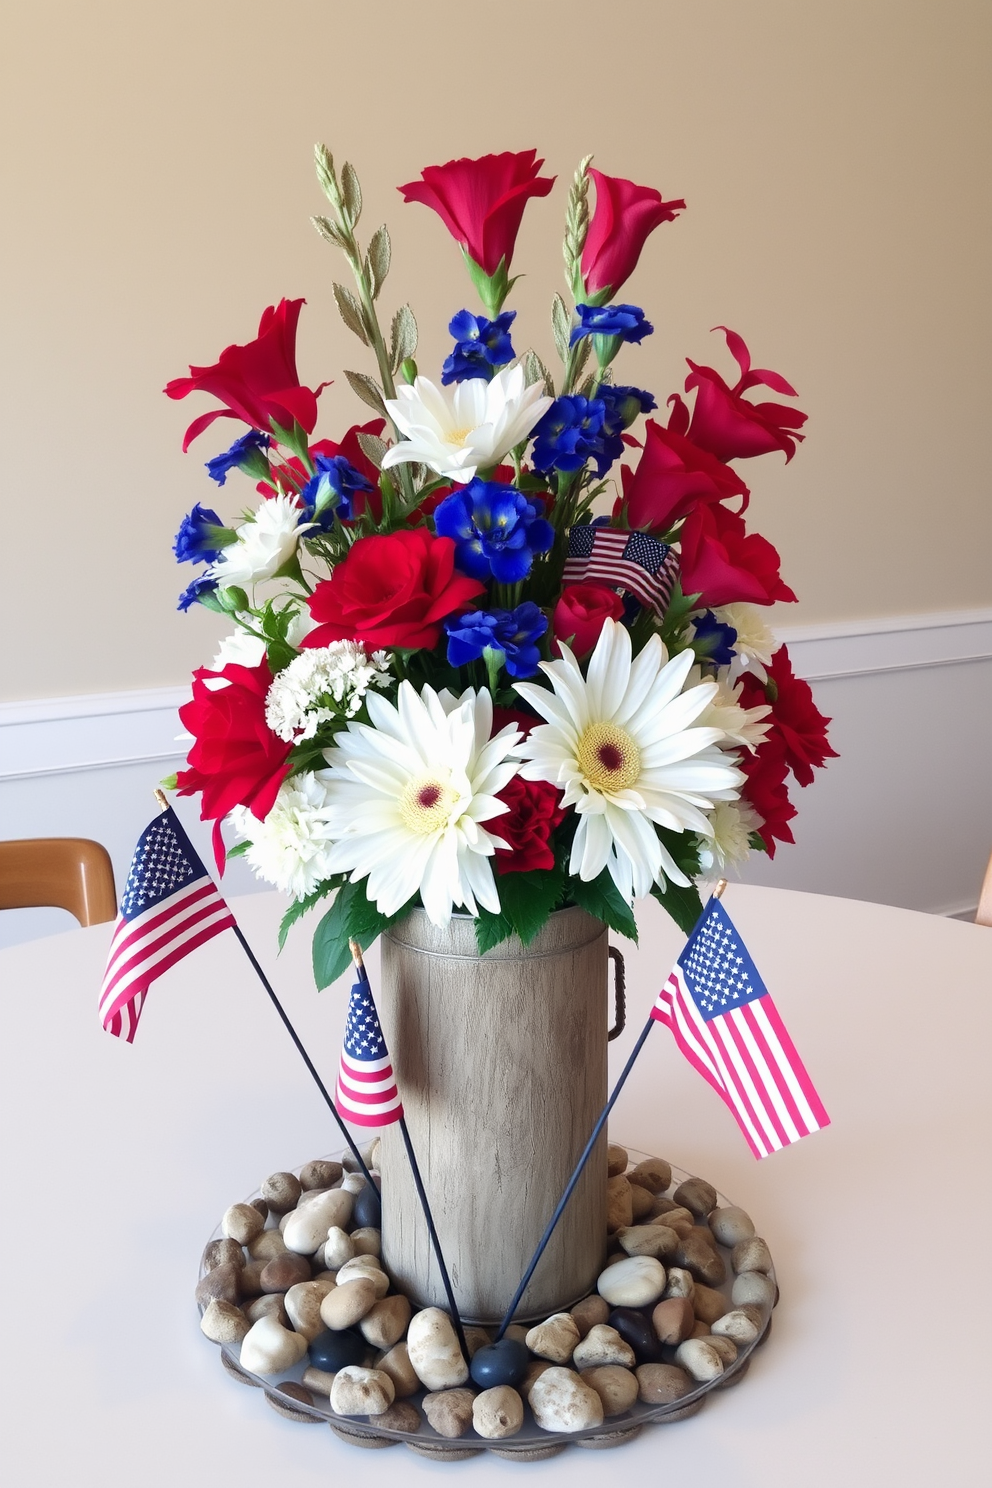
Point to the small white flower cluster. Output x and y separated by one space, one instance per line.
290 847
341 674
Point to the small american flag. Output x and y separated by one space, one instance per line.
729 1029
170 906
366 1090
634 561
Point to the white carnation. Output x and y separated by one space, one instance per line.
263 544
755 644
290 847
732 823
327 682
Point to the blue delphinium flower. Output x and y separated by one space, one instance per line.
625 321
514 632
243 455
497 530
623 405
201 537
714 640
480 346
569 434
331 491
192 593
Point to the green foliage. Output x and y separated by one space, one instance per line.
237 851
490 929
684 905
169 783
299 907
756 842
351 916
602 898
526 901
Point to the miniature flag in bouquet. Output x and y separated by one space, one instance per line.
366 1090
635 561
169 907
729 1029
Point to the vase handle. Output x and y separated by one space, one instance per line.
619 992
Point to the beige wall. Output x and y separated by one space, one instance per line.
833 155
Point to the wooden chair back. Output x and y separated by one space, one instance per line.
70 873
984 915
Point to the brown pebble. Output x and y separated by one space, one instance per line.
222 1253
271 1305
676 1218
266 1245
241 1223
347 1304
282 1192
725 1347
660 1384
619 1207
296 1392
653 1240
222 1322
698 1195
251 1278
221 1284
517 1331
700 1330
698 1255
616 1160
402 1373
673 1319
751 1255
401 1416
589 1313
653 1173
707 1303
284 1271
321 1174
449 1411
641 1201
318 1380
532 1374
386 1322
261 1206
498 1413
615 1386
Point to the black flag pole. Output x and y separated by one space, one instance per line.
163 802
601 1121
356 953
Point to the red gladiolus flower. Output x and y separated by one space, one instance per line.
391 590
796 721
726 424
765 790
257 382
625 214
237 760
672 476
481 202
580 615
534 813
724 563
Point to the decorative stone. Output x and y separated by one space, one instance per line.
449 1411
660 1384
266 1245
751 1254
386 1322
402 1373
346 1305
754 1287
697 1195
223 1253
602 1345
367 1240
338 1248
653 1173
673 1320
652 1240
635 1329
731 1225
476 1338
401 1416
725 1347
222 1322
307 1227
284 1271
561 1401
708 1304
368 1208
616 1160
303 1306
634 1282
498 1413
616 1387
361 1392
331 1351
698 1254
680 1283
281 1191
251 1274
503 1363
532 1373
676 1218
269 1305
269 1348
320 1174
318 1381
700 1359
554 1339
641 1202
736 1325
699 1330
353 1183
619 1206
434 1350
589 1312
241 1223
261 1206
367 1268
220 1284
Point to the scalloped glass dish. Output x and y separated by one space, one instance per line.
531 1437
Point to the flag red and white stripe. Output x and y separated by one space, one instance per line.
642 565
366 1090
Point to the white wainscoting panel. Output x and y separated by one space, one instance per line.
903 817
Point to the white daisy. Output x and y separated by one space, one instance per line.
466 427
407 797
263 545
732 823
744 728
620 744
291 847
755 644
341 674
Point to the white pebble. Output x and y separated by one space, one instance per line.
634 1282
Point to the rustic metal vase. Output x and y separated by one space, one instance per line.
501 1061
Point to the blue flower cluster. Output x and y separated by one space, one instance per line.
497 530
624 321
244 454
194 591
714 639
201 537
513 632
577 429
480 346
330 491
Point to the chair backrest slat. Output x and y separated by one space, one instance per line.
70 873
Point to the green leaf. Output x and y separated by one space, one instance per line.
536 371
368 390
238 850
373 448
527 899
351 194
299 907
331 952
490 929
403 336
755 841
324 163
351 312
602 898
169 783
329 231
561 325
377 260
684 905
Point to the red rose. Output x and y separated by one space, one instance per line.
623 218
391 590
671 477
726 424
258 382
765 790
580 615
796 721
237 760
534 813
482 201
724 563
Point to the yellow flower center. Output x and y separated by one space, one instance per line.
458 436
425 805
608 758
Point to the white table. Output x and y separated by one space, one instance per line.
118 1162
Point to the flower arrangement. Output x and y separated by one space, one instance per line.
496 650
